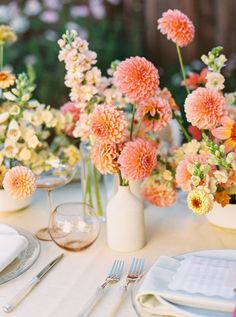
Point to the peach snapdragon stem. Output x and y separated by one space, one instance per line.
132 123
182 67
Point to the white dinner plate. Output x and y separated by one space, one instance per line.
184 310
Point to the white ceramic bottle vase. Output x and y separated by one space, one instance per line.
125 221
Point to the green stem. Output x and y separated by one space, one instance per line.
97 192
182 128
1 56
182 67
132 123
88 189
120 178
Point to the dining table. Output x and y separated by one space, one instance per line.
67 287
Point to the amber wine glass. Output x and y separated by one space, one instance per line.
48 181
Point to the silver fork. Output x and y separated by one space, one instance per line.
113 277
135 272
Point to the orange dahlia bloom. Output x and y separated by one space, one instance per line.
19 182
204 108
6 79
161 195
108 124
177 26
104 156
222 198
227 132
137 159
137 78
196 80
155 113
166 94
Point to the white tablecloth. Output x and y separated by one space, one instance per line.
66 288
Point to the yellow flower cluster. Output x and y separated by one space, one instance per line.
7 34
24 134
200 201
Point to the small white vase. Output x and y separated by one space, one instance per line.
224 217
9 204
125 221
135 188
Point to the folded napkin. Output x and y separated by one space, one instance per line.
156 296
11 245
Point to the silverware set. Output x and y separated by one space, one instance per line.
135 272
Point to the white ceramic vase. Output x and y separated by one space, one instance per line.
9 204
125 221
224 217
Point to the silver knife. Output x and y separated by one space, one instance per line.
7 308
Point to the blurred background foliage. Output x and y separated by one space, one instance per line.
116 29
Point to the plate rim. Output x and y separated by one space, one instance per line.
23 231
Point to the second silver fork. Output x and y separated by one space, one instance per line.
113 277
135 272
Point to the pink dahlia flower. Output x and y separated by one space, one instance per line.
155 113
183 176
137 78
19 182
161 195
108 124
104 156
137 159
204 108
177 26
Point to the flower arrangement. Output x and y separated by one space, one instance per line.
121 116
28 129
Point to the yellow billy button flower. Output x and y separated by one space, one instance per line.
199 201
7 34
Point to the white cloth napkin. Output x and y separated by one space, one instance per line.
11 245
154 292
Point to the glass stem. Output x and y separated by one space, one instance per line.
182 68
49 194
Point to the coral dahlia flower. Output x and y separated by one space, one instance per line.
104 156
177 26
137 159
204 108
155 113
137 78
108 124
227 132
19 182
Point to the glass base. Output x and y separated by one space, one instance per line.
43 235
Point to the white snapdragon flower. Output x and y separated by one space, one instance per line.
215 81
13 132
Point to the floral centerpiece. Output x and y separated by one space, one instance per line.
29 130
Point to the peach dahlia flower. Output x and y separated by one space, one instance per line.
204 108
137 159
6 79
19 182
161 195
177 26
137 78
226 132
155 113
108 124
183 176
104 156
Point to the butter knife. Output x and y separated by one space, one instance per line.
7 308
